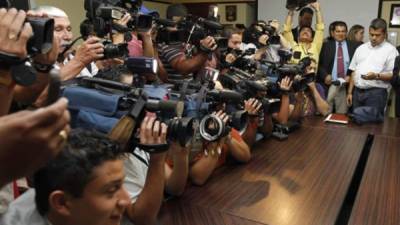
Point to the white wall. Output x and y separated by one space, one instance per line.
351 11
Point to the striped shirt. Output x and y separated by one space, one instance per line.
167 54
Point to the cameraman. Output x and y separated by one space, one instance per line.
307 46
270 52
78 63
44 130
215 154
309 102
173 56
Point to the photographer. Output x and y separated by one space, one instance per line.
309 102
44 130
173 56
215 154
78 63
306 46
270 52
101 193
145 174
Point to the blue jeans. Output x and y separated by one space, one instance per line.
369 104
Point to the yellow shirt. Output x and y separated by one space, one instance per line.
315 47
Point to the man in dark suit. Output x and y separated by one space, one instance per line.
396 84
333 73
305 20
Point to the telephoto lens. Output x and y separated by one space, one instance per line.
115 50
181 130
212 128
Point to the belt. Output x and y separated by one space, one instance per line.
362 90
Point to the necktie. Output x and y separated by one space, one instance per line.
340 62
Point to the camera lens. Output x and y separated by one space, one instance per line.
114 51
211 128
181 130
239 121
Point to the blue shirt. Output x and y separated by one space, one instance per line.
346 59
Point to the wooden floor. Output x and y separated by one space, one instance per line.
304 180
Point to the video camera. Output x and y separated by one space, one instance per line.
298 4
250 86
192 30
43 28
41 42
284 69
135 103
209 100
261 28
103 12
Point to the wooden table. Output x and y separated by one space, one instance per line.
378 198
301 181
390 127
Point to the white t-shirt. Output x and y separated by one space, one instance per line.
23 211
378 59
6 196
136 167
85 72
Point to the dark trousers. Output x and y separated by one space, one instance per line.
369 104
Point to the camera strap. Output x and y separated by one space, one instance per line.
153 149
7 60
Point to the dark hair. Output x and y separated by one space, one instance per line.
338 24
250 35
73 168
229 31
176 10
306 10
378 23
305 27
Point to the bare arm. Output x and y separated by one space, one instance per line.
176 177
87 52
297 110
238 149
283 115
249 136
322 105
187 66
201 170
148 49
145 209
350 90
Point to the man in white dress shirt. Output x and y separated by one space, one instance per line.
372 67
